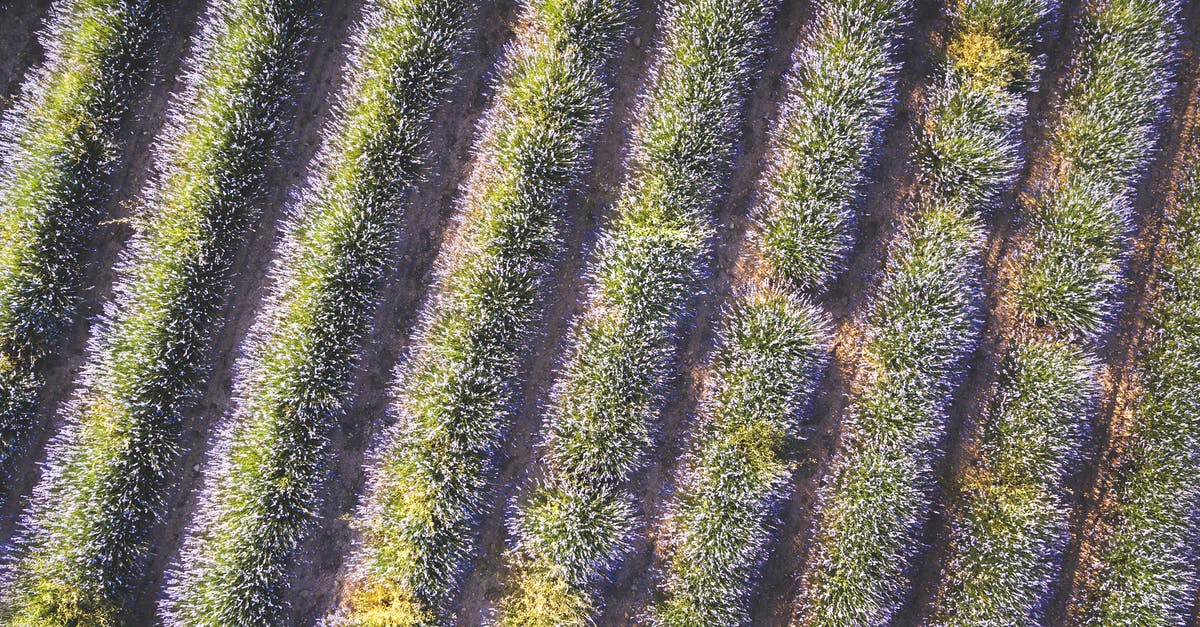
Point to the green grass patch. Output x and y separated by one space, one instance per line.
922 320
86 534
571 528
456 389
58 145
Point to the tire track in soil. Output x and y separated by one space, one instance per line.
975 391
20 50
890 185
1120 348
135 138
426 224
588 209
633 584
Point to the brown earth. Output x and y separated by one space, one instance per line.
427 223
20 50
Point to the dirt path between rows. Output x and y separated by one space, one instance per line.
129 176
1119 350
20 50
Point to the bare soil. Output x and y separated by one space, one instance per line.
20 50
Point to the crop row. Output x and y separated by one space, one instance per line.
57 144
456 390
573 526
87 530
265 470
1143 571
1009 529
922 321
772 343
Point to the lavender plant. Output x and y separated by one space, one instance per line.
455 391
86 533
573 526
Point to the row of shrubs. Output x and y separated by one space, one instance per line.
86 533
264 473
573 524
58 143
432 477
923 318
1142 571
772 344
1009 526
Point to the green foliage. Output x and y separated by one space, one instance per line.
1016 510
262 491
765 369
1071 264
1010 526
1144 571
103 490
456 390
923 319
840 93
57 146
719 526
572 528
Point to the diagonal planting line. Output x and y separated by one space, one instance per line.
772 343
456 390
573 527
922 320
1009 529
86 536
262 488
1143 571
57 144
